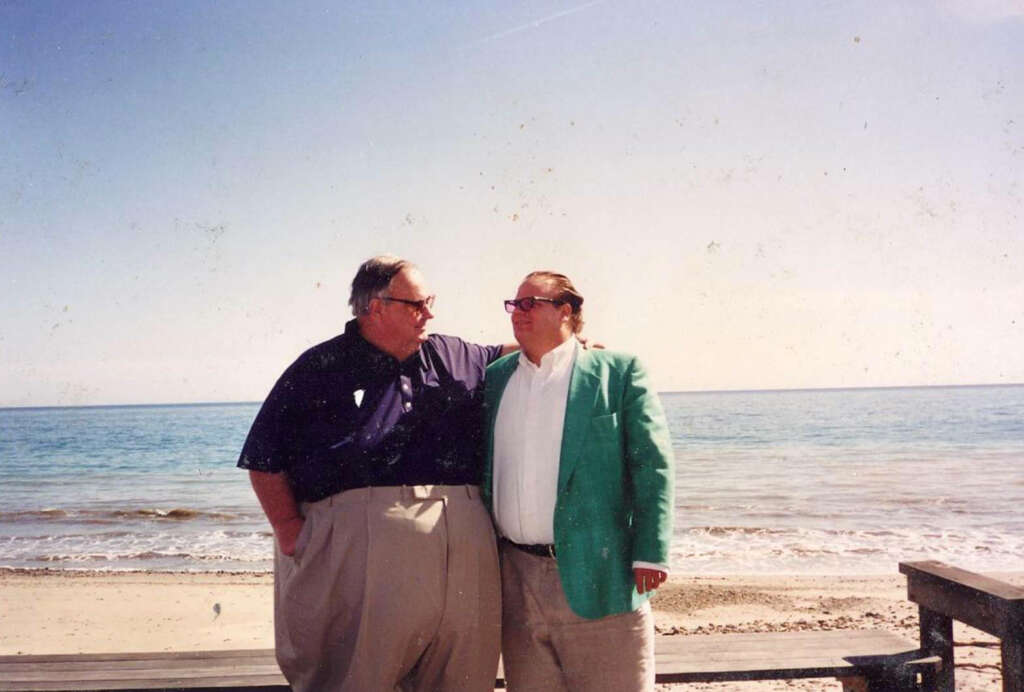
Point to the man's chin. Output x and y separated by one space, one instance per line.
524 340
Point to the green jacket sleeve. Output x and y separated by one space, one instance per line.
648 452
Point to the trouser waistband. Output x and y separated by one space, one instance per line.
539 549
400 493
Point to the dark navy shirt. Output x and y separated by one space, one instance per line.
346 415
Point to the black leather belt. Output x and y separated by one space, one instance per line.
539 549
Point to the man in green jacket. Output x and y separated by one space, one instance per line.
579 478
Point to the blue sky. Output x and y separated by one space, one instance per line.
749 195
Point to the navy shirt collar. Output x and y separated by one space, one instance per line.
378 361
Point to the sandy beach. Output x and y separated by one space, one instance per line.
69 612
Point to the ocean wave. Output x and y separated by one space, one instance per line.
726 530
177 514
106 516
248 534
49 537
147 556
156 544
34 514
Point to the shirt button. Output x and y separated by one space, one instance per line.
407 406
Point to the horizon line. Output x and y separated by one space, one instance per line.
770 390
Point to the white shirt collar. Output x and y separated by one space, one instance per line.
558 359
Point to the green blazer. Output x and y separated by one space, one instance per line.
615 479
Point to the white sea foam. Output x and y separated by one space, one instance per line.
732 550
215 549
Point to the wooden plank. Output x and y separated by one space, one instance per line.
762 656
87 674
973 580
229 682
142 655
151 679
836 644
255 668
987 604
116 682
693 658
138 663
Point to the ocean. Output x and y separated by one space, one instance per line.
812 481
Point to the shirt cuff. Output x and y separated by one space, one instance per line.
650 565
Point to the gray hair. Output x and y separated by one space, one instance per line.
372 279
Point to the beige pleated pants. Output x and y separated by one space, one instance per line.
546 646
390 588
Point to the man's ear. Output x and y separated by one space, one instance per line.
374 308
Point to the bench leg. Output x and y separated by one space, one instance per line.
1013 664
937 640
857 684
880 683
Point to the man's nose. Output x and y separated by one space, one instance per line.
428 314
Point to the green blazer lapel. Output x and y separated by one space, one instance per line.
498 375
584 385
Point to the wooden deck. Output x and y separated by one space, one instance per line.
874 655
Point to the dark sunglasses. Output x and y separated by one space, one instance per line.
529 302
427 302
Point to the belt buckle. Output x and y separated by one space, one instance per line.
550 550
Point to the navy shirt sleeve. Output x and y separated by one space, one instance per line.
464 357
269 445
491 353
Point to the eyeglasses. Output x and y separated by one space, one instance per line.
529 302
418 305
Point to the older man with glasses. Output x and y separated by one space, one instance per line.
366 458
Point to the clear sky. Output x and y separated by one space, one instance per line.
748 194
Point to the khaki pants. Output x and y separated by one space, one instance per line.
546 646
390 588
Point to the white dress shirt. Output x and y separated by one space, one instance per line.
528 445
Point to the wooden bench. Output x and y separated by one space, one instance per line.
944 593
866 660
